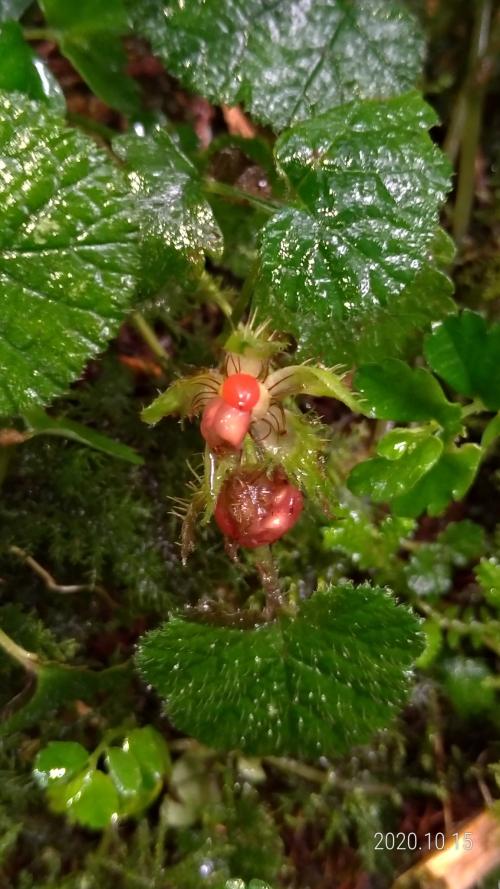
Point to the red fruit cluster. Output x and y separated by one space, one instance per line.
255 509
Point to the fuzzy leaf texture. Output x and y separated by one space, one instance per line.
316 684
68 253
178 225
284 61
346 267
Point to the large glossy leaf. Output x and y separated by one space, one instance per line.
89 34
305 686
466 354
21 70
68 253
284 61
345 267
178 224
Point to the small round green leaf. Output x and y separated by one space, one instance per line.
90 799
124 770
151 752
58 762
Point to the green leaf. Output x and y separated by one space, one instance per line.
284 62
384 480
315 684
41 423
21 70
488 577
124 771
342 263
13 9
57 685
90 799
466 683
150 750
58 762
492 432
68 256
370 547
449 479
394 391
90 37
465 542
466 354
428 572
179 227
400 442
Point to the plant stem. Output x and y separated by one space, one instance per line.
91 126
212 186
147 333
486 631
40 34
266 567
474 100
27 659
208 289
475 407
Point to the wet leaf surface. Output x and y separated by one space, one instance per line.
285 62
343 268
68 257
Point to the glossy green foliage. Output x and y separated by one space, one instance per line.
68 256
371 547
449 479
383 478
284 62
465 353
340 264
394 391
177 224
314 684
75 785
89 34
21 70
488 577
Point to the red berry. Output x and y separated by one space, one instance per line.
241 391
255 509
224 427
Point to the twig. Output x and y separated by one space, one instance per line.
472 852
27 659
474 100
53 585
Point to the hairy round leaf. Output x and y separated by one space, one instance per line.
316 684
68 257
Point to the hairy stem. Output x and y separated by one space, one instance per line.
232 193
147 333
